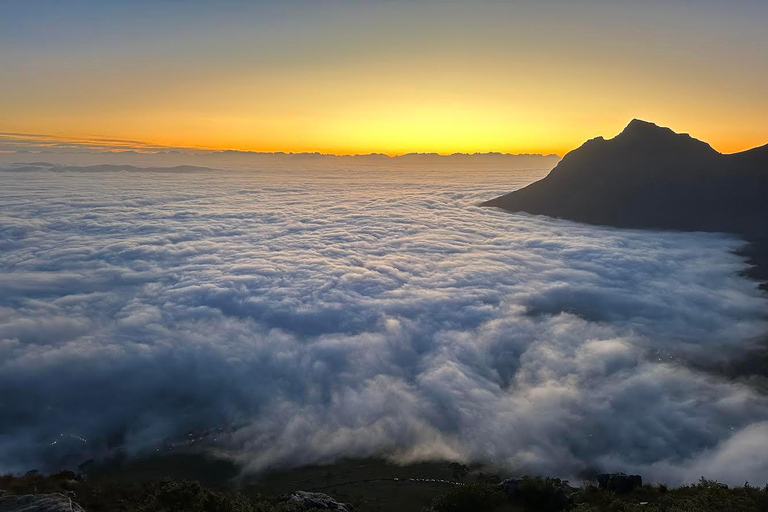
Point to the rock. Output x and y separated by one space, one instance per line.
54 502
510 486
619 483
562 497
316 500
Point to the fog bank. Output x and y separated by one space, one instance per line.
319 314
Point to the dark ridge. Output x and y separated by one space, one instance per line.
650 177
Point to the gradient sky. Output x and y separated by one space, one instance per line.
393 77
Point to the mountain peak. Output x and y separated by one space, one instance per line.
639 123
639 133
644 128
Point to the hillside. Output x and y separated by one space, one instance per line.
651 177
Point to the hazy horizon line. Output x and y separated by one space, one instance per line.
25 143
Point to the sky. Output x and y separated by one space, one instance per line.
391 77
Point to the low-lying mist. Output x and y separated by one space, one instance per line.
315 315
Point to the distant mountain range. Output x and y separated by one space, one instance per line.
252 160
651 177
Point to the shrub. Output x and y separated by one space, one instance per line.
470 498
541 494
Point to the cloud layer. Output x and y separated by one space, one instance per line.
321 314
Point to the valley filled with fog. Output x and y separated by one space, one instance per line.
314 314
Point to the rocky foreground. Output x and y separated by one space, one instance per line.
70 492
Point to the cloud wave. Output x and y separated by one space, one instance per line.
324 314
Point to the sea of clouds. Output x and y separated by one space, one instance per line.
353 312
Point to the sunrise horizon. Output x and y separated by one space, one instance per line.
11 142
373 256
382 78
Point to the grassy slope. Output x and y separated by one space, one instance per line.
171 484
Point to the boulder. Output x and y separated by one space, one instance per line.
619 483
54 502
510 486
317 500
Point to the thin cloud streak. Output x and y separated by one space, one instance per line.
11 141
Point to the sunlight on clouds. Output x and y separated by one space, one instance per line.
322 314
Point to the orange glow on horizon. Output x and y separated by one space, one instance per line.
395 147
386 77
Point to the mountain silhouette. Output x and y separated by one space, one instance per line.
651 177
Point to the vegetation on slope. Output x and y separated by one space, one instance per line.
540 495
534 494
147 496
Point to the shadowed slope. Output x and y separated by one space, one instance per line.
651 177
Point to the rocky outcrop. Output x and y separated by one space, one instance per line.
54 502
619 483
510 486
318 500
